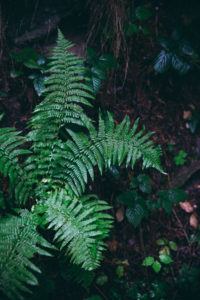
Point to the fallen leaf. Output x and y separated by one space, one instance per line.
186 206
187 114
120 214
194 221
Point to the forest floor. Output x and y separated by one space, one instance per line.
164 104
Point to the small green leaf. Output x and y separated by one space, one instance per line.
120 271
165 259
156 266
173 246
142 13
180 158
148 261
161 242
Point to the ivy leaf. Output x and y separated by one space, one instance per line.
142 13
156 266
165 259
162 62
148 261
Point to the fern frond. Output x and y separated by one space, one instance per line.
65 92
19 243
10 140
80 224
110 145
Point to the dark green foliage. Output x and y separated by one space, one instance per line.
20 241
33 64
177 54
98 65
52 179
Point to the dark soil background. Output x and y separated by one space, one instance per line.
164 103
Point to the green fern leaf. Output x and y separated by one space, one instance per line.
19 243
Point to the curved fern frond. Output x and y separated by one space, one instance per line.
65 93
19 243
80 224
110 145
10 140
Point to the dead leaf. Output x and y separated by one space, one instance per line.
187 114
120 214
194 221
186 206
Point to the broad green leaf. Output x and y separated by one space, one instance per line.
135 214
156 266
148 261
162 62
173 246
165 259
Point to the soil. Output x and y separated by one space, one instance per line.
164 104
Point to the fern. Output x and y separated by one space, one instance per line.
80 224
19 242
52 179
